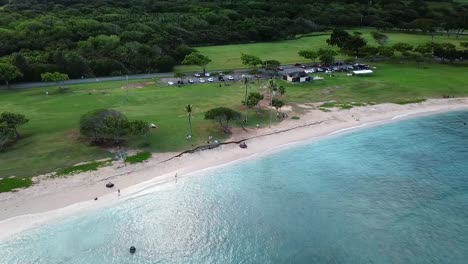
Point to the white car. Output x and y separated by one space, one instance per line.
210 79
201 80
230 77
207 74
309 71
170 83
190 81
197 75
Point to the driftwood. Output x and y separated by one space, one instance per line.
212 146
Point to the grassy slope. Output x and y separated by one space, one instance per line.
50 138
390 83
228 56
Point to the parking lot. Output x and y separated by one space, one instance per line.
218 76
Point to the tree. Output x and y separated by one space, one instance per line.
277 104
12 121
354 45
380 38
253 99
327 56
386 51
189 111
282 90
139 128
308 54
223 116
179 75
9 72
402 47
271 66
196 58
56 77
338 38
106 126
7 135
250 60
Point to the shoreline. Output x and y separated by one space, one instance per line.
57 198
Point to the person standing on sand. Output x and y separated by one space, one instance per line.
118 191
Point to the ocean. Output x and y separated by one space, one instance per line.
395 193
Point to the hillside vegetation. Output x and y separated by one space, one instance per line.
100 38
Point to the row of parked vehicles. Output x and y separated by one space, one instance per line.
339 66
221 78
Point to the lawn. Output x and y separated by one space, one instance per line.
51 138
390 83
228 56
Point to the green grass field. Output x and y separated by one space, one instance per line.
228 56
50 140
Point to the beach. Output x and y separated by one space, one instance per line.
52 198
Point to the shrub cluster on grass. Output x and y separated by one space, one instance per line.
9 184
411 101
92 166
139 157
340 105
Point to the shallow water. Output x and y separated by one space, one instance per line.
396 193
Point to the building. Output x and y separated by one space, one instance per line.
299 76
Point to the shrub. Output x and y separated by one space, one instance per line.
139 157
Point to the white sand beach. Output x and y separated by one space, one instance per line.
50 198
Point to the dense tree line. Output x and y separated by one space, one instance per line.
83 38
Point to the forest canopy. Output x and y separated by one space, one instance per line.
84 38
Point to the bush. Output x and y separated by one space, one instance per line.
92 166
139 157
9 184
106 126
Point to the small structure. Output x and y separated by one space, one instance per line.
362 72
299 76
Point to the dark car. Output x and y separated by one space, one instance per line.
221 78
297 64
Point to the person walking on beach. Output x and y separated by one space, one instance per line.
118 191
175 177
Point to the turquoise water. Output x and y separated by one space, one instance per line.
396 193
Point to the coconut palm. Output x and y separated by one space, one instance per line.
272 87
189 111
245 81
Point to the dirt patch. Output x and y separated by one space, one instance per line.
72 134
135 85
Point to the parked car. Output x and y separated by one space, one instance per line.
317 65
230 77
210 79
309 71
170 83
201 80
221 78
280 68
197 74
297 64
320 70
207 74
191 81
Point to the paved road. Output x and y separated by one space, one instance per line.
90 80
168 76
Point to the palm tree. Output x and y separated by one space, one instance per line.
245 81
272 87
189 110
